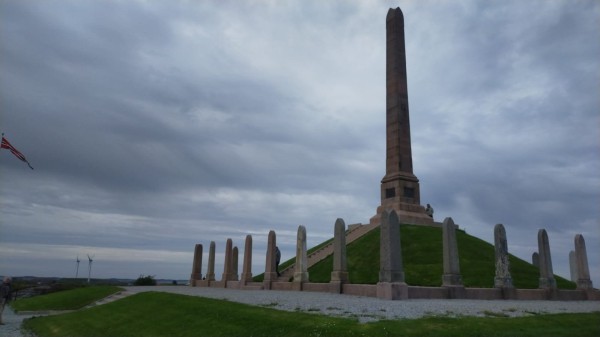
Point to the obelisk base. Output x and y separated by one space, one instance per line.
407 214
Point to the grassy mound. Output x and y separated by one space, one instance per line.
423 261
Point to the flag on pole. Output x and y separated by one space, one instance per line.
7 145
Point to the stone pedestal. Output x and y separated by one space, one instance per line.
407 213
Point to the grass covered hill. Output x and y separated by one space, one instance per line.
422 260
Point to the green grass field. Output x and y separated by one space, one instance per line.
163 314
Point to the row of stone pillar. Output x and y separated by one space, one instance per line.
578 263
340 273
391 267
391 258
230 270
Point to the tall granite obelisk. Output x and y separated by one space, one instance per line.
399 186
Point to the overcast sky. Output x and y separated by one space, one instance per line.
156 125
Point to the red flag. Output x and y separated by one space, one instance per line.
7 145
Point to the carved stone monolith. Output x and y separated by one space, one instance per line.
535 259
197 265
391 285
270 273
301 266
547 280
247 268
340 269
503 278
451 275
210 273
583 270
390 250
227 265
573 266
234 264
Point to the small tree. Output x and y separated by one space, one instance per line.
145 280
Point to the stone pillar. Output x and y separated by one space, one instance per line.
391 283
339 274
573 266
227 265
390 251
234 264
583 271
451 275
301 267
197 265
503 278
247 268
535 259
210 273
546 274
270 273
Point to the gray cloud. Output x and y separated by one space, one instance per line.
154 126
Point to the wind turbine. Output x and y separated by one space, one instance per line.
77 271
90 260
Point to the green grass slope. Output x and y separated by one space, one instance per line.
423 265
162 314
65 300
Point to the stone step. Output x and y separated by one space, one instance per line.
353 233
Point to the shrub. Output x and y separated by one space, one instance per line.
145 281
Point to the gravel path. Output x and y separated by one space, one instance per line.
368 309
12 323
365 309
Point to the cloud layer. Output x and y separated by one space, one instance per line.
155 126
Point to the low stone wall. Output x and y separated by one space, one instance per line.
369 290
483 293
427 292
414 292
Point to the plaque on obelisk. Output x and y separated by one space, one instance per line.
399 186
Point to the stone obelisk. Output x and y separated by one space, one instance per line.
399 186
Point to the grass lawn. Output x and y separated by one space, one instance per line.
65 300
162 314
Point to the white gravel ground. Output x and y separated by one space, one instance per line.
367 309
